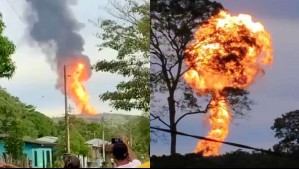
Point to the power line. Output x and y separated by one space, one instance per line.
212 140
15 11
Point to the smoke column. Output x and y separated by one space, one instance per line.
55 29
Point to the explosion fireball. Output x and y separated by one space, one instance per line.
227 51
78 73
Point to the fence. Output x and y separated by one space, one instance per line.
23 162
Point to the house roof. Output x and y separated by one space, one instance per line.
96 142
49 139
3 135
42 143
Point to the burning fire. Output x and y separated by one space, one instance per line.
228 51
77 75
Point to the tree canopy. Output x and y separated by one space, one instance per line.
286 128
35 124
18 120
128 34
7 48
173 23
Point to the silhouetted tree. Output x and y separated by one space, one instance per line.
286 128
172 25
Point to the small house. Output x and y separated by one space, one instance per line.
39 153
96 150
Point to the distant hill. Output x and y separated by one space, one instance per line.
109 118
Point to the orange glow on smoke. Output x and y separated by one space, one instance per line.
77 90
228 51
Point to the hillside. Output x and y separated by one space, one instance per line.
34 123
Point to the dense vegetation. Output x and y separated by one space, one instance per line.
7 48
234 159
19 120
34 124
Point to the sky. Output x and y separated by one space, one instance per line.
274 93
34 81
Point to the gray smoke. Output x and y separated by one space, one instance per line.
51 22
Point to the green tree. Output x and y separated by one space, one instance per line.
128 33
286 128
140 133
172 25
18 120
7 48
35 124
77 140
13 142
43 124
78 145
11 124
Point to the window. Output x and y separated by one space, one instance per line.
48 159
35 158
44 166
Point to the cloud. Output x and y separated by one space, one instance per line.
266 8
34 80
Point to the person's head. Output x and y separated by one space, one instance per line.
120 153
71 161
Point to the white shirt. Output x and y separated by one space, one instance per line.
133 164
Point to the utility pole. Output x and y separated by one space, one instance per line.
67 127
70 110
103 138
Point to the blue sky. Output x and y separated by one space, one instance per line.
34 81
274 94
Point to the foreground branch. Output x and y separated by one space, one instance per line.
157 117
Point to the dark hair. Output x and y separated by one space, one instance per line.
120 151
71 161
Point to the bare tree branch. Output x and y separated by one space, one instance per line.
124 13
157 117
154 63
198 112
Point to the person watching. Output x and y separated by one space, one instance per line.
123 154
71 161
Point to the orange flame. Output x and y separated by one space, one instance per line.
76 89
228 51
219 121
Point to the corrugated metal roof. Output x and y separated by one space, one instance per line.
49 139
46 141
39 142
96 142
